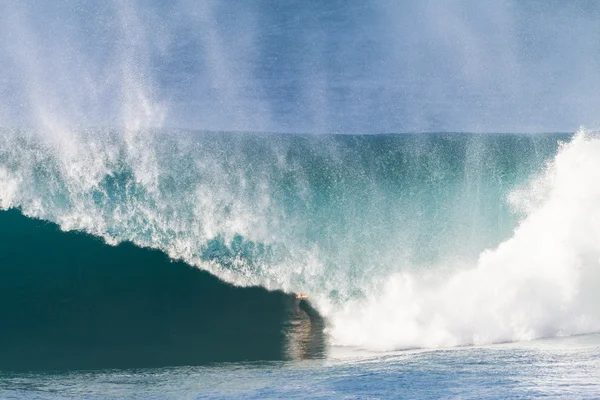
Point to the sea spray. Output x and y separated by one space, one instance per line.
541 282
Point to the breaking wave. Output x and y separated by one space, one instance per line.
400 241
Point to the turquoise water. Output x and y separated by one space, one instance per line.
169 268
281 210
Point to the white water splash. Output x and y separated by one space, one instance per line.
542 282
10 188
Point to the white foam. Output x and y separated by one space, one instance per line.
542 282
9 188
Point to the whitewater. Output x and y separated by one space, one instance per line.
401 241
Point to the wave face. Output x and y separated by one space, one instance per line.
400 240
68 300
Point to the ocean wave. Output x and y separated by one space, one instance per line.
68 301
400 240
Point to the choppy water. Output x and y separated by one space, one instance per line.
557 368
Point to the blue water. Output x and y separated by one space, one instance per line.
557 368
174 174
104 293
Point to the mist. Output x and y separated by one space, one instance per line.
314 67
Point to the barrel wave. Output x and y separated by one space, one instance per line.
401 241
70 301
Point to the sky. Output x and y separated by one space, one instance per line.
302 66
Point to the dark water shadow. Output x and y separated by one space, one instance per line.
304 331
69 301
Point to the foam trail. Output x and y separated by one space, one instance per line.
542 282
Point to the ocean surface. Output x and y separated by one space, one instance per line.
165 264
556 368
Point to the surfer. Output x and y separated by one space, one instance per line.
300 303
